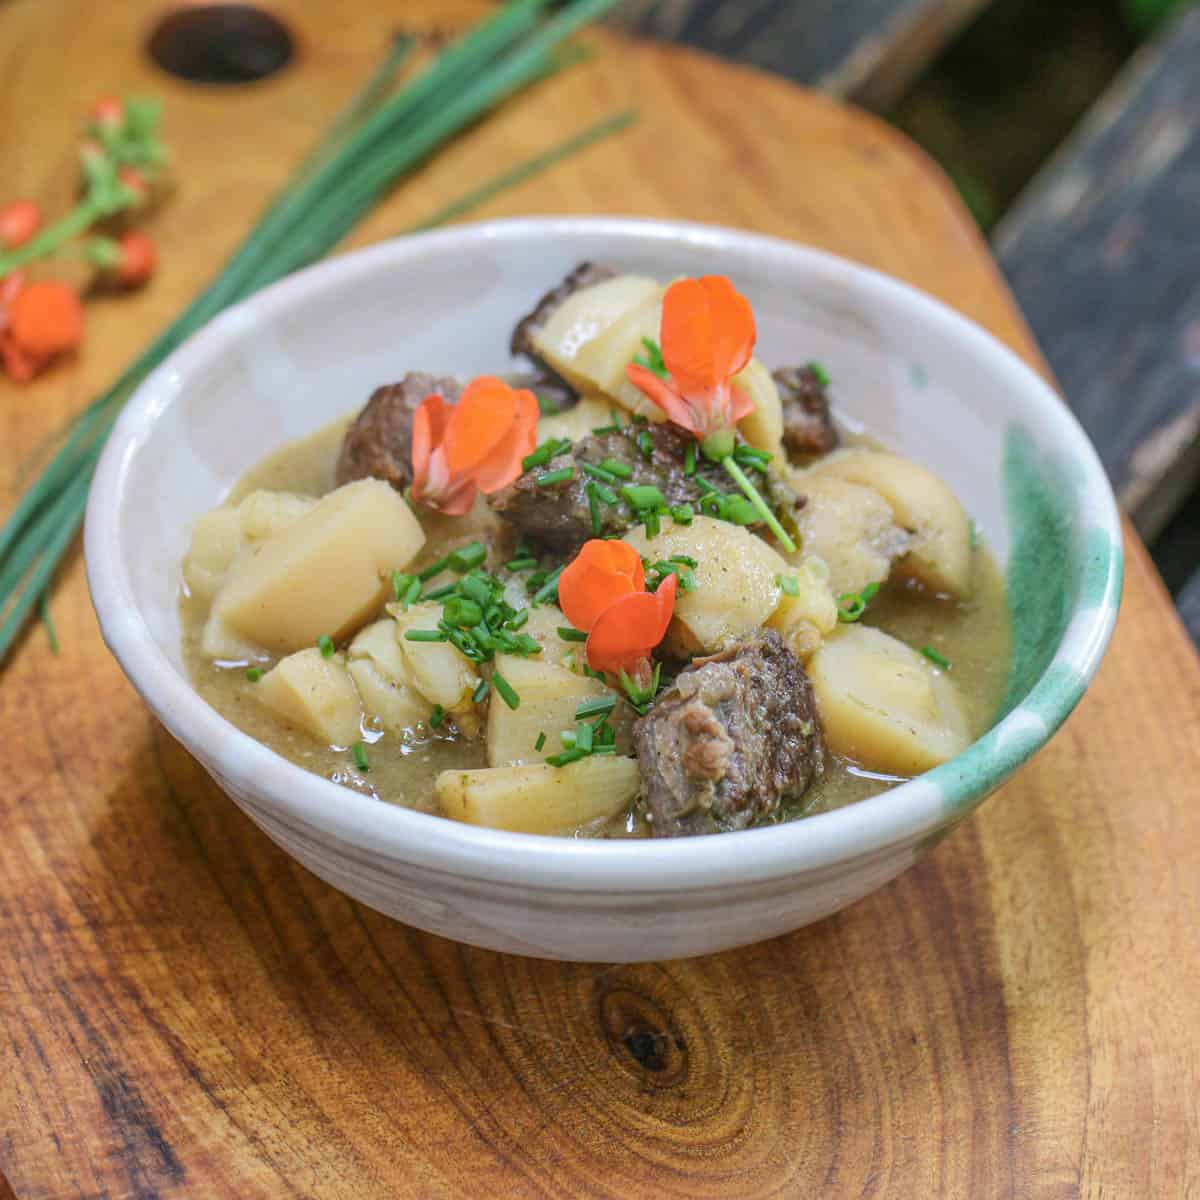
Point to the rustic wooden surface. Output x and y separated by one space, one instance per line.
1103 257
186 1013
867 50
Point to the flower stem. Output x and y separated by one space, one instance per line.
74 223
760 505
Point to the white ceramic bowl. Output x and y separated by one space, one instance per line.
924 380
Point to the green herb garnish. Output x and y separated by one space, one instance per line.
541 741
359 753
571 635
599 705
616 468
652 358
552 477
789 583
467 558
424 635
481 690
326 646
852 605
821 375
507 694
938 660
254 674
437 714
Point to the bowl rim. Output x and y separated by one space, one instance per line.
296 797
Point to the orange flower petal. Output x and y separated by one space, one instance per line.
46 318
707 332
741 404
676 408
626 632
479 423
429 430
602 573
503 464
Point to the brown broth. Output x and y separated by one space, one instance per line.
973 635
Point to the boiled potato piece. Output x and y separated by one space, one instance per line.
883 705
438 671
264 514
216 540
543 625
737 586
537 798
590 413
763 428
806 618
849 527
939 554
583 316
325 573
603 360
315 694
549 695
377 667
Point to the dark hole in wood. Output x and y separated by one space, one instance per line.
220 43
647 1047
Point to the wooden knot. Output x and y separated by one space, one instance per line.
641 1033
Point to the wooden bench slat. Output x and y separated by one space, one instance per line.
1104 256
867 50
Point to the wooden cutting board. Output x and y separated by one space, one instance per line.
187 1013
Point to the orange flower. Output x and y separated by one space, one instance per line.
39 322
476 445
603 592
19 221
707 337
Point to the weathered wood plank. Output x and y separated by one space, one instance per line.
1188 601
867 50
1103 255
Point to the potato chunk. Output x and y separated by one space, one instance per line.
582 317
549 695
883 705
590 413
439 672
324 574
939 554
807 617
377 667
762 428
737 582
216 540
539 799
315 694
264 514
849 527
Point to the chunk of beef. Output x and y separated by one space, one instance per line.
554 396
808 428
558 518
735 736
378 445
583 276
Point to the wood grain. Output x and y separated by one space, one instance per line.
864 50
1102 256
186 1013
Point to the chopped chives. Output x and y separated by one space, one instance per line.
568 738
601 473
616 467
689 459
254 674
819 372
686 559
437 714
707 488
505 689
645 444
545 452
541 741
467 557
399 584
583 738
938 660
424 635
447 589
461 612
682 514
475 588
518 618
521 564
412 593
434 568
651 523
552 477
481 690
606 494
595 706
566 757
571 635
644 495
359 752
789 583
549 589
326 646
593 501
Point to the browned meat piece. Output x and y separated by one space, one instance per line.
808 428
583 276
379 443
553 395
735 736
557 516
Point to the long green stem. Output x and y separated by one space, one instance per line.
760 505
526 170
81 217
